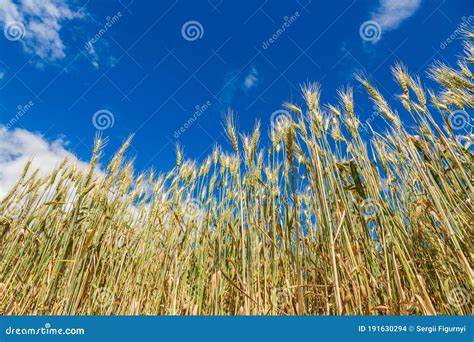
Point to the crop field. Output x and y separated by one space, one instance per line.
330 218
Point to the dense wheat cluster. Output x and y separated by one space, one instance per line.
321 222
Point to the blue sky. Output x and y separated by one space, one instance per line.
151 66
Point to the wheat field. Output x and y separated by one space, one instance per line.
321 222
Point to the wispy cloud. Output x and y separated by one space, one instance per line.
251 79
19 146
391 13
37 24
238 82
96 45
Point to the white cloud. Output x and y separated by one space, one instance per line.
391 13
8 11
238 82
93 56
19 146
251 79
41 21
